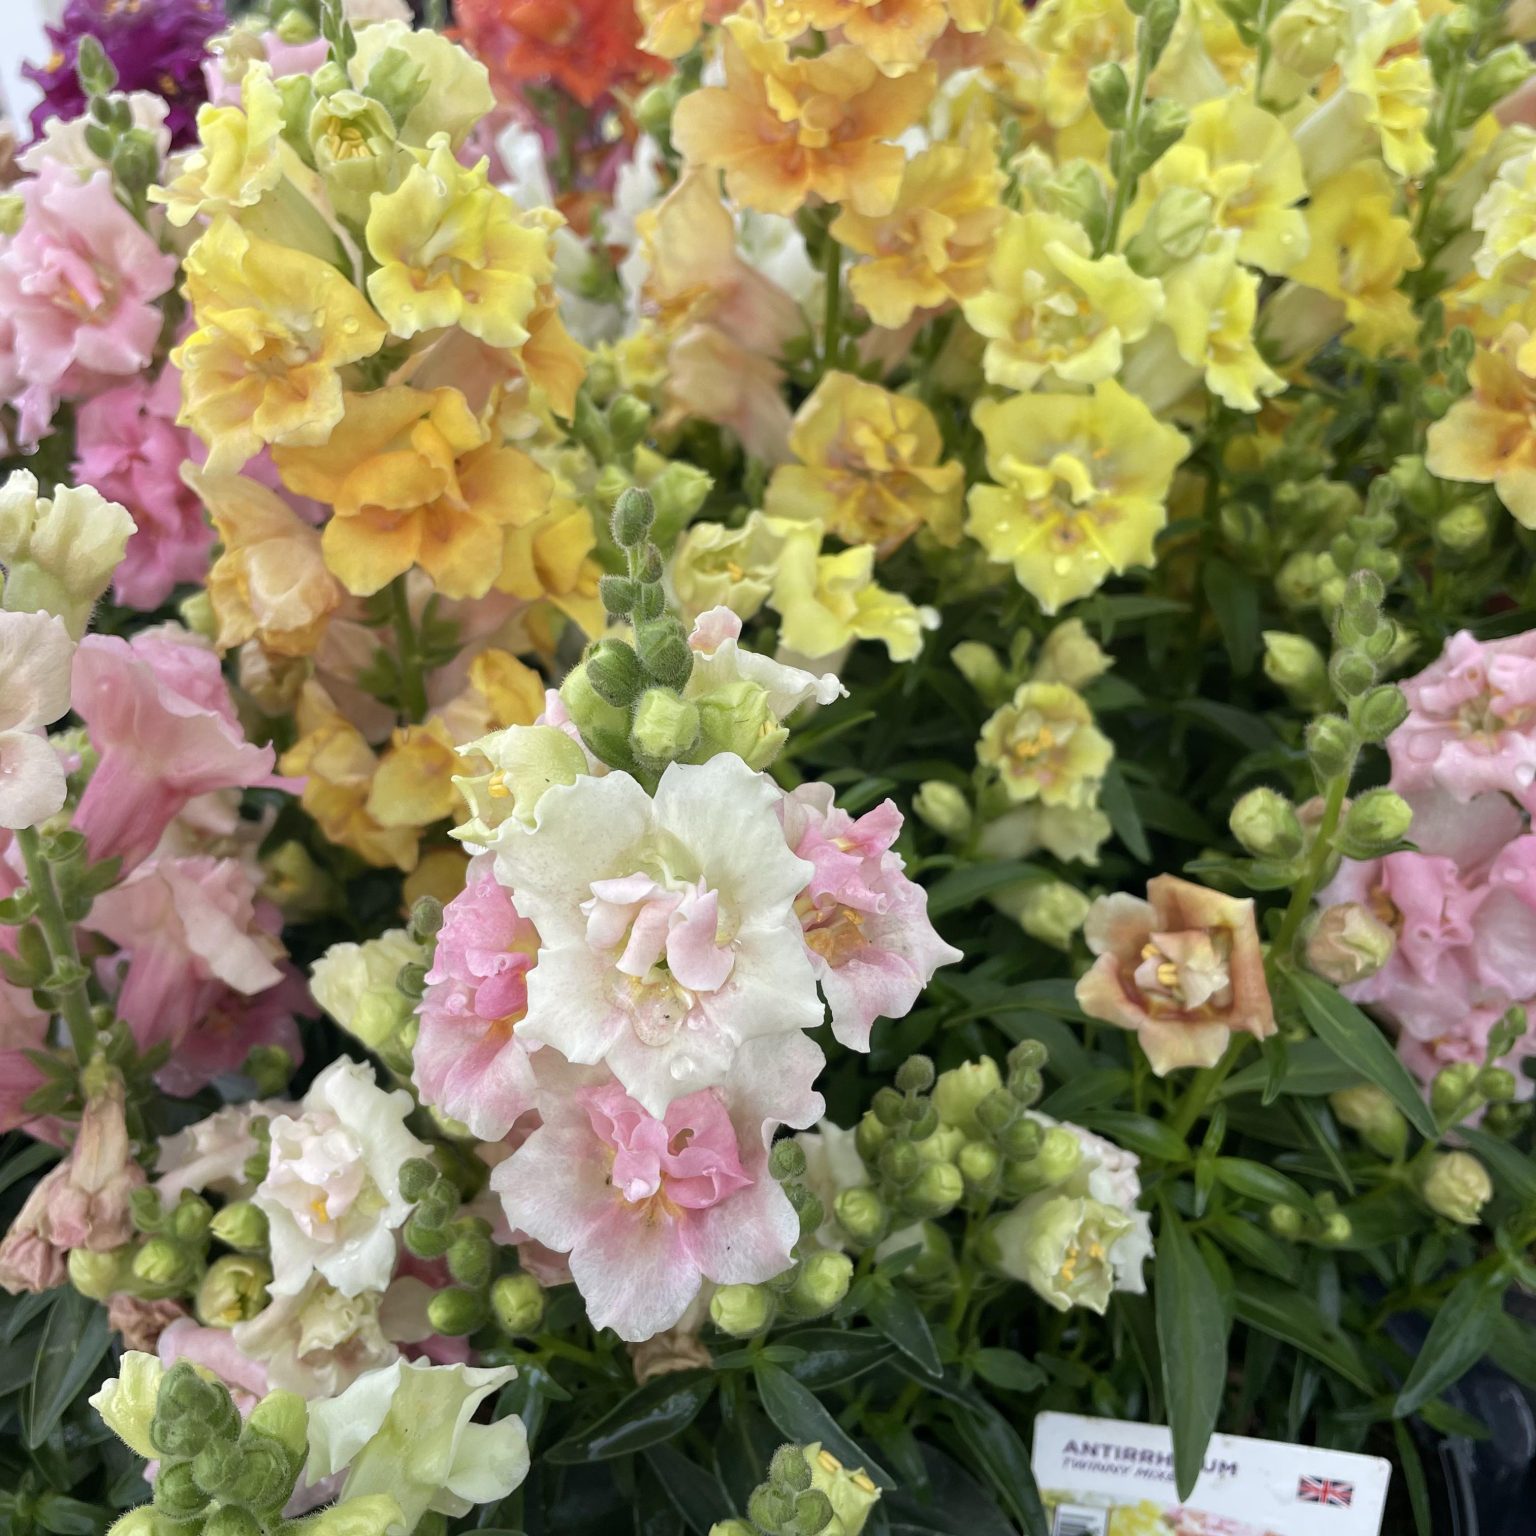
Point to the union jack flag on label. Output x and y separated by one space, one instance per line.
1325 1490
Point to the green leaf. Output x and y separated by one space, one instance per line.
893 1311
694 1492
1509 1167
650 1416
964 887
1116 803
1254 1246
1458 1338
1192 1340
831 1356
1297 1320
1008 1369
1260 1183
74 1339
1413 1476
995 1446
1234 601
1141 1133
1514 1347
1356 1040
1088 1090
1310 1070
800 1416
29 1160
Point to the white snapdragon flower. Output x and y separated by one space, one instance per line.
318 1341
667 925
406 1433
332 1191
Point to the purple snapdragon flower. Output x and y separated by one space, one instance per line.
155 45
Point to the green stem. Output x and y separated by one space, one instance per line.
58 933
1322 847
1206 1082
832 317
413 682
1125 185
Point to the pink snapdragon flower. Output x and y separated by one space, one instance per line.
649 1207
1471 726
866 925
78 283
199 966
35 655
469 1061
128 446
159 712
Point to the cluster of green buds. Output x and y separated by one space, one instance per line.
816 1280
437 1230
219 1476
129 152
168 1256
1321 1222
397 1040
809 1492
1460 518
1465 1089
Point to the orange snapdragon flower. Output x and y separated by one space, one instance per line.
787 129
586 47
896 34
415 478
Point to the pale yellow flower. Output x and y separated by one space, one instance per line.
1082 482
869 468
1212 306
1072 37
1044 746
896 34
715 565
1050 306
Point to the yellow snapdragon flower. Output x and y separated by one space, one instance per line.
715 565
932 248
238 158
1244 160
869 466
1082 482
549 556
788 128
274 326
1505 215
1213 303
672 27
1050 306
455 251
896 34
1391 80
1044 745
414 478
1359 248
1071 38
827 601
1489 438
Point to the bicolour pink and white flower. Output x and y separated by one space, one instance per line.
331 1194
1471 726
866 925
667 926
470 1060
159 713
79 281
650 1206
35 656
719 659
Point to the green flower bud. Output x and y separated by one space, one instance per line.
788 1469
664 652
786 1160
1496 1084
738 717
1349 943
1163 121
665 728
770 1508
1175 229
1501 74
1108 91
822 1283
888 1107
603 726
190 1220
1464 529
470 1260
1295 665
899 1162
958 1093
628 419
417 1176
614 672
1373 1116
456 1312
1287 1222
1076 191
742 1311
1336 1228
98 1275
870 1135
1331 746
981 667
1454 1093
177 1494
282 1417
943 807
264 1475
861 1214
1352 673
1380 712
1457 1186
936 1191
1266 824
232 1521
233 1290
1052 911
720 1527
850 1492
978 1164
163 1266
1056 1161
518 1302
633 515
996 1112
1024 1138
813 1514
1376 822
915 1075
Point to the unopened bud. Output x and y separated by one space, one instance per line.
1294 664
97 1275
665 654
633 515
944 807
1376 822
936 1191
1052 911
231 1520
742 1311
603 726
1336 1228
861 1214
1496 1084
870 1135
177 1494
163 1265
456 1312
786 1160
1266 824
614 672
915 1075
233 1291
1369 1112
1464 529
665 727
1454 1093
1349 943
1331 746
822 1283
899 1162
282 1417
1380 712
958 1092
981 667
1287 1222
978 1164
1109 90
1457 1186
518 1302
